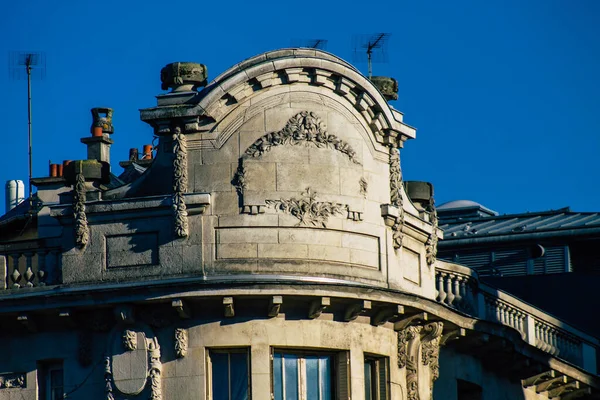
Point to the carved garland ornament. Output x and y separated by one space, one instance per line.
307 209
303 128
239 179
180 183
108 389
155 372
181 342
432 241
82 231
12 380
364 185
396 196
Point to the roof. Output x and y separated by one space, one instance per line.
458 204
519 224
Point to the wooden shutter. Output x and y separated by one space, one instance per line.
383 379
342 381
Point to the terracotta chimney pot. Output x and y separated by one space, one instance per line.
147 152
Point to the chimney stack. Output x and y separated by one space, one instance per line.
98 145
15 194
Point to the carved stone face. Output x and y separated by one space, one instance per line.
129 340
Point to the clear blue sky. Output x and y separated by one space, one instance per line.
505 95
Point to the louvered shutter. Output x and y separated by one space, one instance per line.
384 384
556 259
511 262
343 376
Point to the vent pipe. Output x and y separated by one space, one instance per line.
15 194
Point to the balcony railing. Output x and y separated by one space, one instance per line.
29 264
460 288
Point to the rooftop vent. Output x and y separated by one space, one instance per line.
15 194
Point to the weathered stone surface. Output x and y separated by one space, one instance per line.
183 76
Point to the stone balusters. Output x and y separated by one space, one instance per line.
27 269
456 290
505 314
557 343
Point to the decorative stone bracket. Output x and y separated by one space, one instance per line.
423 340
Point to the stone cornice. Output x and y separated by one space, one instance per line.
212 289
316 68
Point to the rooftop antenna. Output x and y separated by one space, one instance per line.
320 44
374 46
28 64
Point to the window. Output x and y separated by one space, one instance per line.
228 376
50 380
376 378
468 390
309 375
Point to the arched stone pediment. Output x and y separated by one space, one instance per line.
314 69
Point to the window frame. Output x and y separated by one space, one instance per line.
45 369
340 369
378 391
228 351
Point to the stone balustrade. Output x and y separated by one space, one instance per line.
456 288
459 287
24 267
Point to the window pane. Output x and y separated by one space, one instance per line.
239 376
325 375
368 384
278 376
290 365
312 378
220 376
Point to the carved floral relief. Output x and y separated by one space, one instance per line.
303 128
12 380
307 209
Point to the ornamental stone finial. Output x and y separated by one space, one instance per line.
102 118
387 86
183 76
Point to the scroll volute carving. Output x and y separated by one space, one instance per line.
419 341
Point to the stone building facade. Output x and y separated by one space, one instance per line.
269 251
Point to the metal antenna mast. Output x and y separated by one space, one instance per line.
33 63
310 43
369 44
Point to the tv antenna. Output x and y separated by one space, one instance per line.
374 46
28 64
320 44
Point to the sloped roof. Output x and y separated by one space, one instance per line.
517 224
